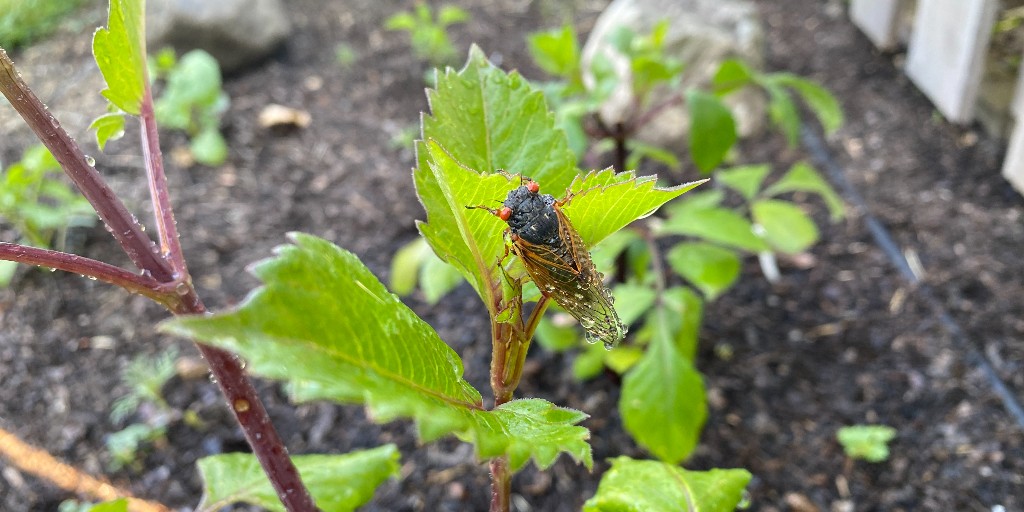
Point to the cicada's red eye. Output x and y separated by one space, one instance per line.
532 186
505 213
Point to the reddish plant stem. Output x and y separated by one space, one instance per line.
121 224
166 227
117 276
501 485
170 280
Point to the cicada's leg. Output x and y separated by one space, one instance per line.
570 195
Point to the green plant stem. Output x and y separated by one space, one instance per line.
173 286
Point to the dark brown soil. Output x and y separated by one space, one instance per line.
843 341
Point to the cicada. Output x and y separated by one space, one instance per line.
556 259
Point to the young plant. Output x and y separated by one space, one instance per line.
428 31
23 21
867 442
161 273
39 204
308 323
145 378
191 100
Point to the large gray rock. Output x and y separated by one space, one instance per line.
236 32
702 33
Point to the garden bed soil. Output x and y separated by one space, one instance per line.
842 339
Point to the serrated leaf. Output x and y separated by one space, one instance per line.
787 228
324 323
108 127
646 485
471 240
337 483
803 177
710 268
717 225
120 51
745 179
663 404
556 51
489 120
824 105
604 202
712 129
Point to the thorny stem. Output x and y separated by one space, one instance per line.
165 278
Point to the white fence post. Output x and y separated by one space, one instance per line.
878 19
946 54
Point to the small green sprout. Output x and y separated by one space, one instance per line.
868 442
429 32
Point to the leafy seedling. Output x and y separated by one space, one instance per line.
866 442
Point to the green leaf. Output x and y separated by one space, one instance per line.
405 266
783 112
712 129
868 442
489 120
120 51
638 151
604 202
437 278
120 505
824 105
686 311
803 177
605 253
336 482
108 127
646 485
401 21
745 179
633 300
209 147
471 240
717 225
450 15
325 324
7 270
623 358
786 227
732 74
556 338
556 51
589 363
710 268
663 404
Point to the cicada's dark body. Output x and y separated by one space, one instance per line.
558 262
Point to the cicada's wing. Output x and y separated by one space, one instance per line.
566 274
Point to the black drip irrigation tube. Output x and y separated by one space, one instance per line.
820 152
